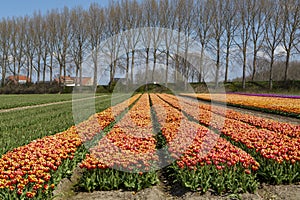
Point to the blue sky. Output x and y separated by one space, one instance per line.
10 8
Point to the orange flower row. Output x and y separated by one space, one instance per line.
288 105
97 122
268 143
31 165
288 129
195 144
130 144
29 168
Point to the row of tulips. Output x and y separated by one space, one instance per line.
34 170
278 154
285 106
268 95
288 129
88 129
124 157
204 160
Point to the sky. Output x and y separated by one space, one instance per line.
16 8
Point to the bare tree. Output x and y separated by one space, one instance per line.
230 24
273 34
130 21
291 22
156 34
20 50
257 20
45 40
38 36
146 36
114 42
203 25
5 30
79 40
167 20
217 33
189 38
51 20
244 9
95 29
30 47
62 39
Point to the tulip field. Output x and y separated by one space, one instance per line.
126 146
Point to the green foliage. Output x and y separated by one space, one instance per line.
112 179
230 179
13 101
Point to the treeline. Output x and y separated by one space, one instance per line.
232 33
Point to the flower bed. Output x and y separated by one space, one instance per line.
34 170
278 105
125 156
204 159
278 154
288 129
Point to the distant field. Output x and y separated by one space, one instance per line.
20 127
14 101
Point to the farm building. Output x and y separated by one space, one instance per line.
73 81
21 79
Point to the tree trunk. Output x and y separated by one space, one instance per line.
44 72
271 73
201 65
287 63
147 67
254 63
244 67
31 69
154 65
3 72
227 60
167 67
76 75
95 60
127 70
217 65
50 69
132 66
111 78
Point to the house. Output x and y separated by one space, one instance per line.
21 79
73 81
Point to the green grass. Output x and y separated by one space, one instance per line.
12 101
18 128
20 100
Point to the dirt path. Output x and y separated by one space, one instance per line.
167 190
47 104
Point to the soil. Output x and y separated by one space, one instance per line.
167 190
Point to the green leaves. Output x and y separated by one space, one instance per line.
230 179
112 179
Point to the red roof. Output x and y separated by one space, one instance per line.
21 78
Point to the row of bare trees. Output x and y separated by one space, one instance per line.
234 34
